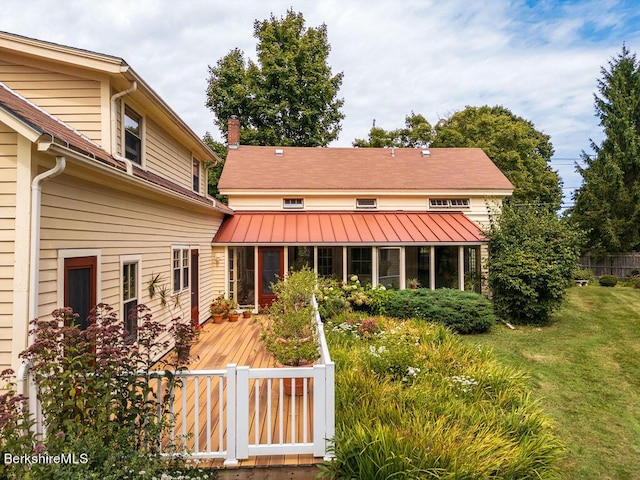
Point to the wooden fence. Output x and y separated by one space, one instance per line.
619 265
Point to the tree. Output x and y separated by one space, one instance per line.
289 96
214 171
607 205
520 151
417 133
532 257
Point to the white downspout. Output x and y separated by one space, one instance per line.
114 126
34 268
34 256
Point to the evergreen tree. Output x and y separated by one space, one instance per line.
289 96
607 205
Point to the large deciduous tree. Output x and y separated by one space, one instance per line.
607 205
288 96
416 133
520 151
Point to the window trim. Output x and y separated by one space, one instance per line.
185 270
126 132
449 203
363 203
130 260
195 162
291 203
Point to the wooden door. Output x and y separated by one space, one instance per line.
271 268
80 287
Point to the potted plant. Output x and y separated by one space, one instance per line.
218 309
247 313
289 332
184 335
413 283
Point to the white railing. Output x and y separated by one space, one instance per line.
239 411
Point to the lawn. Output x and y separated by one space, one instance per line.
585 369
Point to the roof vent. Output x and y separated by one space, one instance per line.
279 152
426 153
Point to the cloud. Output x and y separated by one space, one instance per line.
541 59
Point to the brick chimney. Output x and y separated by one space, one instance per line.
233 132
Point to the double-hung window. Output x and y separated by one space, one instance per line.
196 175
130 267
132 135
180 268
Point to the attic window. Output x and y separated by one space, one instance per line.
438 203
366 203
293 203
132 135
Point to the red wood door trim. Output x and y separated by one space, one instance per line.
79 263
195 287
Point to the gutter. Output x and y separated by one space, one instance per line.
114 126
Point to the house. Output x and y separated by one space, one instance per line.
102 189
387 215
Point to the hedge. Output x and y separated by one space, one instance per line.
462 312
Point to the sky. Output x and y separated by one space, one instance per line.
540 59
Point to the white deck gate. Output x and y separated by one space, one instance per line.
241 411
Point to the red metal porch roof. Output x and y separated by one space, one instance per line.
371 228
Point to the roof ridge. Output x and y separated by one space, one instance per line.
52 117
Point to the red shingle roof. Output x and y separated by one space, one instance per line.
300 168
369 228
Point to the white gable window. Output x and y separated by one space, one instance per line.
366 203
448 203
291 203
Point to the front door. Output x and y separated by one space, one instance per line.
195 288
80 283
271 268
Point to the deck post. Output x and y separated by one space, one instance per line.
319 411
330 409
232 457
242 413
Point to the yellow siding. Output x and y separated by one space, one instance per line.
166 156
83 215
476 212
8 179
74 100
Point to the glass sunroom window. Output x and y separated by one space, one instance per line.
359 262
389 267
330 262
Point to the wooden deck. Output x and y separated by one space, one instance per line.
238 343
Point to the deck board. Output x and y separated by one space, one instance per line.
239 343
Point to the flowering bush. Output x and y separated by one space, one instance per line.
96 397
335 297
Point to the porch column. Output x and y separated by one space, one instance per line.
374 266
345 274
256 276
403 269
286 260
461 267
315 259
432 267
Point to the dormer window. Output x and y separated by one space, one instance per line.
448 203
293 203
366 203
132 135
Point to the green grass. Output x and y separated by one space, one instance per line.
585 368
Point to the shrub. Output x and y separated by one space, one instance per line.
583 274
436 407
608 280
463 312
532 257
96 396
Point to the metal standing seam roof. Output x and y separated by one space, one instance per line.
386 227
